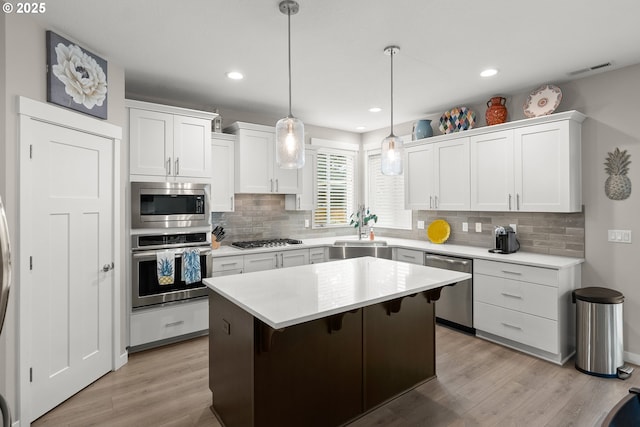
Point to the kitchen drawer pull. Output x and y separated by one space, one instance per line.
179 322
517 273
511 295
229 264
511 326
408 256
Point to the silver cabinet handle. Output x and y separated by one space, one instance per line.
281 260
271 184
231 206
430 202
517 273
511 326
107 267
509 201
436 200
168 166
179 322
517 201
178 166
277 185
299 202
511 295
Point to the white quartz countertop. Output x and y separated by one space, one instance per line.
286 297
525 258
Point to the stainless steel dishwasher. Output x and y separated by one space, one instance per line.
455 306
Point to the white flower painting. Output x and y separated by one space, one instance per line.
77 79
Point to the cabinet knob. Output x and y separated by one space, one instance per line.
108 267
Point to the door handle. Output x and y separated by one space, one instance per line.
107 267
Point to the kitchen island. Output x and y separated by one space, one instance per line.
320 344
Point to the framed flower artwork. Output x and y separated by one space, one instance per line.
76 78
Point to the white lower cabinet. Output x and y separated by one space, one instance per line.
527 308
317 255
166 322
226 266
410 255
271 260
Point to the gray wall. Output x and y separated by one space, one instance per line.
23 64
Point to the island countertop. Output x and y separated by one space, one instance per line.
286 297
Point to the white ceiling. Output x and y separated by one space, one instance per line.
181 50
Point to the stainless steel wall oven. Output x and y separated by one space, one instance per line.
146 289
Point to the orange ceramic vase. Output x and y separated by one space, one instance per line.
496 111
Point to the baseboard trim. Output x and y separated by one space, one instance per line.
121 361
632 357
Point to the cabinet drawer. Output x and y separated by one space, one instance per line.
525 273
317 255
228 263
526 297
516 326
409 255
155 324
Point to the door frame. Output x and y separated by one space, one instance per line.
28 110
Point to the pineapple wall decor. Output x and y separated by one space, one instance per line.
618 185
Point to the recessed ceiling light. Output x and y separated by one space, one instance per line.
360 128
375 109
235 75
489 72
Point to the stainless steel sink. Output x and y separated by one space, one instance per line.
344 249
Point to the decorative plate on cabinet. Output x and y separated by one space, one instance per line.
542 101
457 119
438 231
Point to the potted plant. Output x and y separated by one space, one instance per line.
361 220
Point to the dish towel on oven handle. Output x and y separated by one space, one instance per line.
191 265
166 266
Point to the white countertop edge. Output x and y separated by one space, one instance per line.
458 276
474 252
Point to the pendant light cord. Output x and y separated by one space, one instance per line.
289 39
391 54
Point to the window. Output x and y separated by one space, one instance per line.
335 188
386 196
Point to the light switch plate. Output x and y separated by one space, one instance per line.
420 225
515 227
465 226
619 236
306 223
478 227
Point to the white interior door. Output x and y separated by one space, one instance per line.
72 239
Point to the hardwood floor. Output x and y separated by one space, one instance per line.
479 384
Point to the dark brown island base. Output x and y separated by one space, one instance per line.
306 370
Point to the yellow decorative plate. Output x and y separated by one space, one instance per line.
438 231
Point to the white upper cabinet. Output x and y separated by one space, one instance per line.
255 167
529 168
223 175
169 142
305 200
437 175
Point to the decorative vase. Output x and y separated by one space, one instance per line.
421 129
496 111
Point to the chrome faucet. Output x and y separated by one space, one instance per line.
361 214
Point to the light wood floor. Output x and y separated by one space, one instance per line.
479 384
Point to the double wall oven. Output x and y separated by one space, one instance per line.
167 220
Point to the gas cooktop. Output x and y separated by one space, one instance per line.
266 243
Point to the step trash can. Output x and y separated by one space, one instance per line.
599 341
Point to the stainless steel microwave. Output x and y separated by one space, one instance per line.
169 204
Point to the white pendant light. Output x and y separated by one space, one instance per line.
289 130
392 146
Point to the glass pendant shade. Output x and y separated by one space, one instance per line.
391 155
290 143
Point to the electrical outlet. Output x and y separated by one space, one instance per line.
226 327
306 223
478 227
619 236
420 225
515 227
465 226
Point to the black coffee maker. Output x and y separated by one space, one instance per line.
506 242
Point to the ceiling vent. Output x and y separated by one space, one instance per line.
593 68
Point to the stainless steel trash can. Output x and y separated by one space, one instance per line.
599 341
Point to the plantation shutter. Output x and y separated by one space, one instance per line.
386 197
334 189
